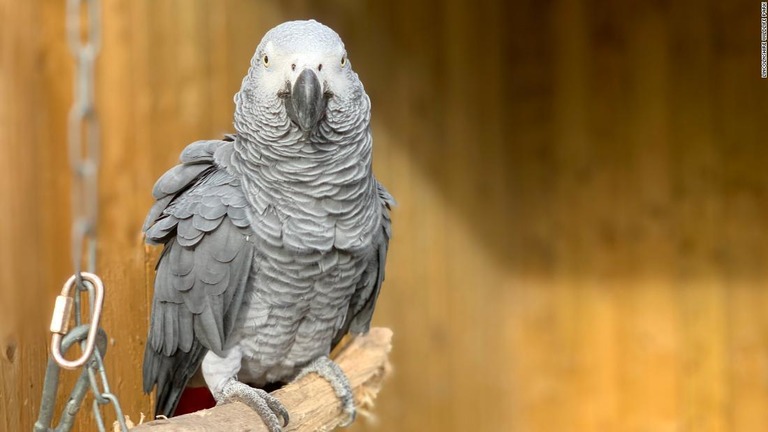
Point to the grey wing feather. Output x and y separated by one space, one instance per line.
358 320
202 272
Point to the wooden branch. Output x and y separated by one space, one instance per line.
310 401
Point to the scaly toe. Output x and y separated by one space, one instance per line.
267 406
331 372
277 407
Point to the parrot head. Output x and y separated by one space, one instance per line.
300 73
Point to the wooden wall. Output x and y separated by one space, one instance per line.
581 241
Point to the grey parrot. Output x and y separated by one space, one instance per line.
275 238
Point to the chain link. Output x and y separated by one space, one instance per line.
83 137
84 157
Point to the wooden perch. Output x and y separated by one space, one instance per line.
310 401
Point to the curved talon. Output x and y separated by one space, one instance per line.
267 406
277 407
350 416
331 372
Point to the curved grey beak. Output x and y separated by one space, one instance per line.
306 105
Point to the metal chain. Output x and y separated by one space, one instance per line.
84 154
83 141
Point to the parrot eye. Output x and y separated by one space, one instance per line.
265 59
343 61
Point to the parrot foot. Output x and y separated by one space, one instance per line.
331 372
267 406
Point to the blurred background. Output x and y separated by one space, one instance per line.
581 241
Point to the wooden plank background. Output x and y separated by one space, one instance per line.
581 241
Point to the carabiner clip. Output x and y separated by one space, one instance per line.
61 315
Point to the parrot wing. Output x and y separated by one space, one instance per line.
201 217
363 302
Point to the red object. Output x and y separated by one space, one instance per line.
194 399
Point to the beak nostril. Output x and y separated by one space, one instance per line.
320 67
293 67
